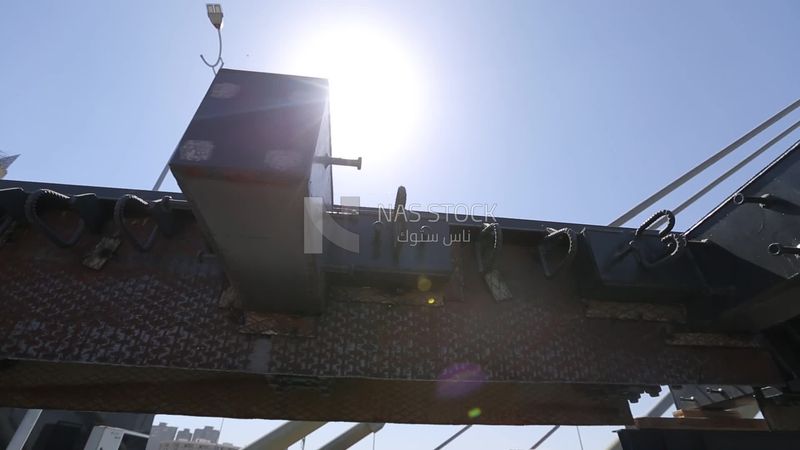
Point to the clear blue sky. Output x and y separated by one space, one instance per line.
561 110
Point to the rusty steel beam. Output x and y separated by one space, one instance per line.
160 331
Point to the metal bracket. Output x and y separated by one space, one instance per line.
399 226
102 252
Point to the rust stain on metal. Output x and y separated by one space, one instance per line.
713 340
102 252
230 298
401 297
499 289
639 311
278 324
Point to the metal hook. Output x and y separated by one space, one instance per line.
50 198
674 242
550 242
490 242
657 217
159 210
120 221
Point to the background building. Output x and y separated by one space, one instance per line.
183 445
160 433
207 433
184 435
66 430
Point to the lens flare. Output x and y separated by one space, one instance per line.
375 91
424 284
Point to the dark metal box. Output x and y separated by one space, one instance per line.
246 163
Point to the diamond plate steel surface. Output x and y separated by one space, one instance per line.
153 320
30 384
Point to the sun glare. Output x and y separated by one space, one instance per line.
374 89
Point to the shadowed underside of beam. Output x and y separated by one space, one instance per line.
157 331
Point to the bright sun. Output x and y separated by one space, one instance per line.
374 89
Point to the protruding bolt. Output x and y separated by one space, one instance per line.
329 160
719 391
778 249
765 201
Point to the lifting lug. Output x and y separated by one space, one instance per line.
159 210
44 199
557 250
